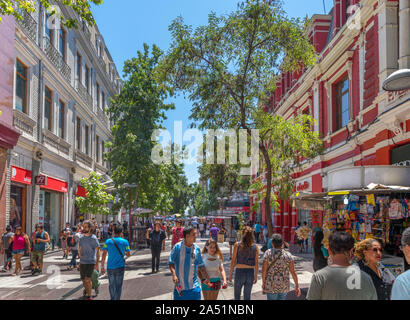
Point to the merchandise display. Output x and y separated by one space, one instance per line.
383 217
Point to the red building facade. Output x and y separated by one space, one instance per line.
359 44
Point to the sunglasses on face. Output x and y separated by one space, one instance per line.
376 250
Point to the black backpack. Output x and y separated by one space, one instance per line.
71 241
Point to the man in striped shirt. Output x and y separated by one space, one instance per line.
184 262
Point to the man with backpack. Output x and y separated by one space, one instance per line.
116 248
40 240
73 242
5 249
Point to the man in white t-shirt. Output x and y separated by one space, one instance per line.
202 230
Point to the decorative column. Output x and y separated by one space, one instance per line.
404 37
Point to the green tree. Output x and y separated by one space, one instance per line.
230 66
201 201
81 7
136 113
97 199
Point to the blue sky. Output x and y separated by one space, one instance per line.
127 24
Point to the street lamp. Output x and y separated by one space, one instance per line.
221 201
398 81
129 186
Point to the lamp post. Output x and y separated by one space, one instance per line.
129 186
398 81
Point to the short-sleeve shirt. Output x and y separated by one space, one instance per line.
214 231
401 287
115 260
340 283
177 235
186 261
157 238
258 228
89 247
277 278
6 239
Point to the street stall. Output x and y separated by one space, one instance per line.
377 211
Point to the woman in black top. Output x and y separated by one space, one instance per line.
369 252
319 261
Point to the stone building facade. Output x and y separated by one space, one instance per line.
63 80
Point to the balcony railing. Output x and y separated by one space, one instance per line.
84 94
57 59
86 31
29 24
102 116
102 64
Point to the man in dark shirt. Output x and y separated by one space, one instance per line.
157 239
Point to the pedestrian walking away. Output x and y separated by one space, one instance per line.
213 232
213 261
184 262
6 250
401 287
202 230
157 239
369 253
20 245
340 280
73 242
277 265
116 248
63 240
177 233
89 254
258 229
245 262
321 254
40 240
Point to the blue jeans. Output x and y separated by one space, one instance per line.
115 278
243 278
277 296
73 261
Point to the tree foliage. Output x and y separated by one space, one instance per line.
229 68
81 7
201 201
97 199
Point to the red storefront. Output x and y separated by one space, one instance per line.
20 180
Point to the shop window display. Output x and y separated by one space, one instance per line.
16 207
50 207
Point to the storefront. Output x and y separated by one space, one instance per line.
20 179
51 207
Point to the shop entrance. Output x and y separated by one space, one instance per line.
51 214
17 207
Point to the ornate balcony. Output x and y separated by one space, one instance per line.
84 93
102 116
102 64
28 24
86 31
83 158
57 59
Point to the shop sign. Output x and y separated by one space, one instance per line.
239 209
41 180
56 185
21 175
304 185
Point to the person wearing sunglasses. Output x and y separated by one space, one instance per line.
401 287
369 253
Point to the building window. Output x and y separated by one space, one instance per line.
49 32
61 43
103 151
79 69
342 114
98 96
21 87
103 99
98 149
48 109
87 78
61 119
87 139
78 137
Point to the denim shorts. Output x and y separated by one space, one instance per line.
18 251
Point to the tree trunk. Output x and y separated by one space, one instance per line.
268 211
